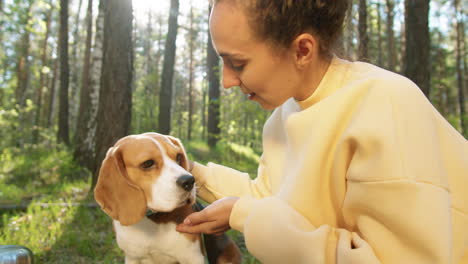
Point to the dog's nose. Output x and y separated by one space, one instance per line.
186 182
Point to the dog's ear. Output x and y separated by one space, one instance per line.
117 196
184 161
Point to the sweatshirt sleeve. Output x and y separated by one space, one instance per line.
402 217
216 181
382 226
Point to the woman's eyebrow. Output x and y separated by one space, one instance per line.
230 55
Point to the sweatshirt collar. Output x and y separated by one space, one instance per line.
331 81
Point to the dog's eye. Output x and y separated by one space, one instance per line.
179 159
147 164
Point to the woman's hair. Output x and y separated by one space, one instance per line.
279 22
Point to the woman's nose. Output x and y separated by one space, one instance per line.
230 78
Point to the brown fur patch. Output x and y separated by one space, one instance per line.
177 216
231 254
172 146
117 195
222 249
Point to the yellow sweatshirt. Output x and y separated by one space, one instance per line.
363 171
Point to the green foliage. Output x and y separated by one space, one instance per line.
10 193
36 168
62 232
241 120
233 155
58 224
12 126
38 162
35 172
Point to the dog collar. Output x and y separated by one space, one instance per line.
150 212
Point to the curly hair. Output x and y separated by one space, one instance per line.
279 22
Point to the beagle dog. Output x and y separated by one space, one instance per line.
148 173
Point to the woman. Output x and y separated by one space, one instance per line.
357 166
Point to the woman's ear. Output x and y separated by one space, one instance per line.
306 49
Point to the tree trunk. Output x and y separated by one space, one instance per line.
379 35
22 66
115 97
49 112
465 67
213 94
150 86
363 36
42 76
417 58
63 131
94 88
1 24
390 36
440 90
165 97
191 73
82 152
74 84
203 111
349 31
459 65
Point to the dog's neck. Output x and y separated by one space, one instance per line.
178 215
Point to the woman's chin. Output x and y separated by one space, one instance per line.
267 106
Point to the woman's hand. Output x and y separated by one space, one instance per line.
214 219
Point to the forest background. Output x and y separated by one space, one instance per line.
76 75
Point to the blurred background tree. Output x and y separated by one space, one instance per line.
77 75
171 80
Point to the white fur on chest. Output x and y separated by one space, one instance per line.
148 242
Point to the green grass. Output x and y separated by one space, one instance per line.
57 222
61 233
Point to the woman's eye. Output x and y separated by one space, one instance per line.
238 68
179 159
147 164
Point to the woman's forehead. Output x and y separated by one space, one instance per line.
229 29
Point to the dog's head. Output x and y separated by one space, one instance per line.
140 172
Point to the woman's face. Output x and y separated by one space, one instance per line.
265 77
